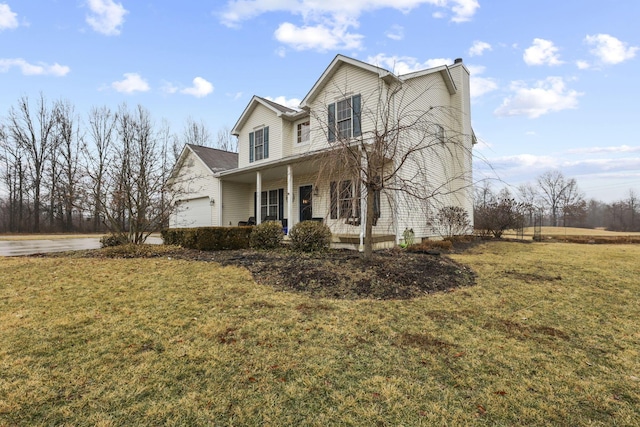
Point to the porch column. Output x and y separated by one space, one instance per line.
219 204
258 197
364 197
289 198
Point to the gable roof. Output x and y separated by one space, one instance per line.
215 159
338 61
278 109
383 74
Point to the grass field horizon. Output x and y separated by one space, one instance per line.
547 336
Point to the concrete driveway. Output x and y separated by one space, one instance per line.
30 247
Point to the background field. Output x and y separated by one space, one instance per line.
548 336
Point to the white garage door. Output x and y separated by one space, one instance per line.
193 213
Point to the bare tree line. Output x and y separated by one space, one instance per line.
558 201
104 171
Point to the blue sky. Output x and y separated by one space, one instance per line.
554 83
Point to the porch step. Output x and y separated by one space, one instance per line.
355 239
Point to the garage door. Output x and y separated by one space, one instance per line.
193 213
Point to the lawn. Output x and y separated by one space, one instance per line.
547 336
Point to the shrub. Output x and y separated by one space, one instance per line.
208 238
452 221
111 240
267 235
310 236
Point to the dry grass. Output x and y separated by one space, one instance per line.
548 337
555 232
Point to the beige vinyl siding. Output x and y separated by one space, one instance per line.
194 182
346 82
440 166
291 142
322 209
238 203
260 117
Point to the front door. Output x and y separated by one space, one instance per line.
306 196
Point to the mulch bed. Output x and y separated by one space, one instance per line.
339 274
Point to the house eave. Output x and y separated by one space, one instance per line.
385 75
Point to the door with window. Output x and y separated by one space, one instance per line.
306 199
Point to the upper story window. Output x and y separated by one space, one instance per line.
344 118
304 131
259 144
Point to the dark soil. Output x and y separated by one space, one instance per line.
344 274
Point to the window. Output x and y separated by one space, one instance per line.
345 199
344 118
303 132
259 144
271 204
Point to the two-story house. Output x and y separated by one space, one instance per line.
298 164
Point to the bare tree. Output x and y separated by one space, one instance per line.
34 136
98 155
556 192
226 141
387 156
136 202
632 204
70 146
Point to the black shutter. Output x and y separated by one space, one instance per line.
266 143
281 204
356 110
332 122
251 147
255 206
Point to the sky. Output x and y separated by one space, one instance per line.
553 83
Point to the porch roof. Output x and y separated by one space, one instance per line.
304 163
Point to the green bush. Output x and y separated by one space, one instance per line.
208 238
310 236
267 235
111 240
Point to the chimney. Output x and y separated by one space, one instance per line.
458 61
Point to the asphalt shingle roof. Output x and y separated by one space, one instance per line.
216 160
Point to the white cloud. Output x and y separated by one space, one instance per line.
200 88
287 102
107 16
610 50
169 88
480 85
405 64
132 83
40 69
549 95
329 24
396 32
599 150
542 52
478 48
583 65
8 19
318 37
